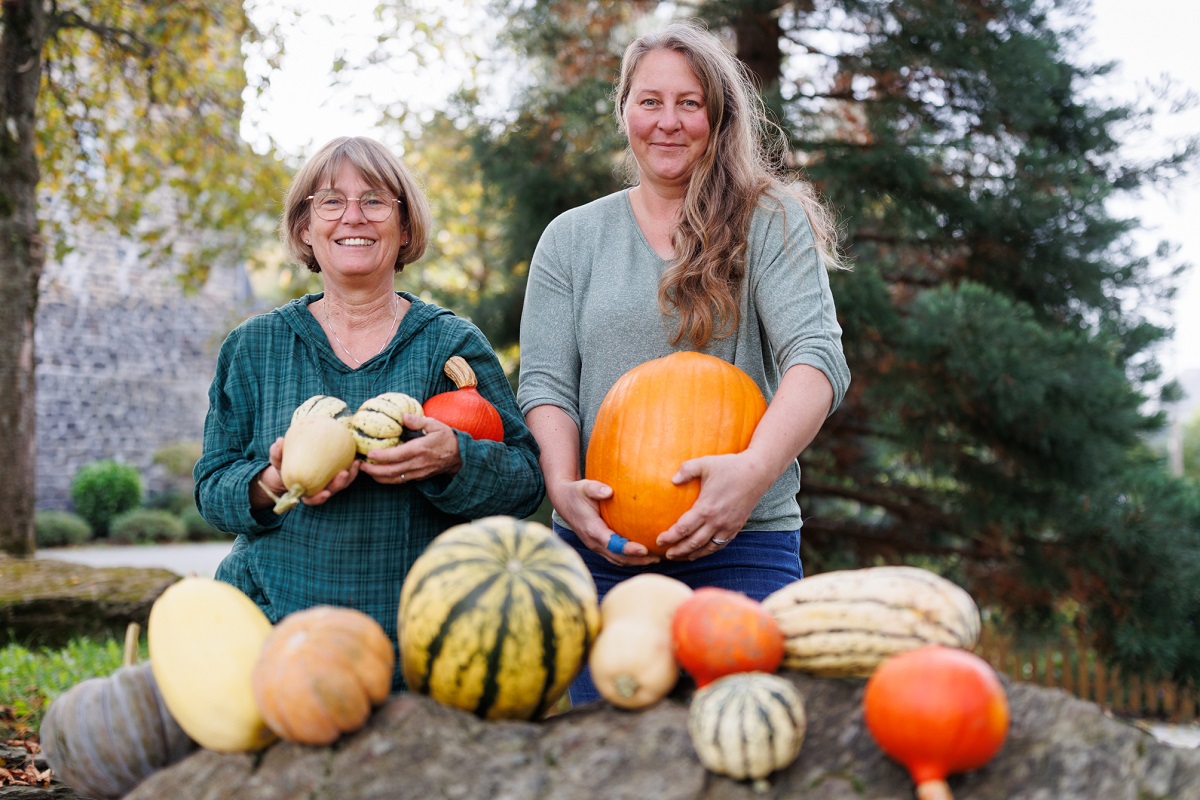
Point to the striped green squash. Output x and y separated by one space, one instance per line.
496 618
379 422
747 725
846 622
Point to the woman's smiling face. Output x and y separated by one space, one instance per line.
666 119
354 245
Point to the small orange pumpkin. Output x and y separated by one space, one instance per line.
465 408
320 672
937 710
656 416
718 632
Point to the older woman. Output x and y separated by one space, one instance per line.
709 250
354 215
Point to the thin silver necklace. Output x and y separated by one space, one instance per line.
386 340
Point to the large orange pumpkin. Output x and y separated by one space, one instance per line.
656 416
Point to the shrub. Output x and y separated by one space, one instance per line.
172 500
144 525
199 529
58 528
103 489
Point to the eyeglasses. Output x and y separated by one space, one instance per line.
375 205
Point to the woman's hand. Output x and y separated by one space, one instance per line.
578 502
434 453
270 481
730 488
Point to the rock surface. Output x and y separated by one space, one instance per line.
1059 748
45 602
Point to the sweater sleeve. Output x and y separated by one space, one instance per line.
550 361
230 459
790 288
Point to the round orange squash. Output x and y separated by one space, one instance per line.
718 632
937 710
656 416
320 673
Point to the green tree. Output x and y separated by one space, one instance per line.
123 114
999 322
1190 447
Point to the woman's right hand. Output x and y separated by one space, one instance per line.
578 502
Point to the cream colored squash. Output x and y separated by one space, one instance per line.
315 449
205 637
632 663
646 595
845 623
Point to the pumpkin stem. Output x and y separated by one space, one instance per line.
132 632
458 370
934 790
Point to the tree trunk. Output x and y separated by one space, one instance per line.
23 30
757 31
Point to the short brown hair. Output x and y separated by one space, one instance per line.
378 167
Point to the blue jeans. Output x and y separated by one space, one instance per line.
755 563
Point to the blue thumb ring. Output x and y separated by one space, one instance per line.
616 543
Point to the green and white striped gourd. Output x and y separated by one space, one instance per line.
496 618
845 623
323 405
379 422
747 725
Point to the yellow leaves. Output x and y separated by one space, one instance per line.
139 113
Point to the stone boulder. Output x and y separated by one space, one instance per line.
1058 748
47 602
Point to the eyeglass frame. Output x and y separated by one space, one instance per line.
334 192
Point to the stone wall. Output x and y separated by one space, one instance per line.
124 359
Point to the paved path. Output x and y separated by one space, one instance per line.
200 558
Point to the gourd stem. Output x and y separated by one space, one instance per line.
934 790
288 500
132 632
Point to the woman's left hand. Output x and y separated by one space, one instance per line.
730 488
435 453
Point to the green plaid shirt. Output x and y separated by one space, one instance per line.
356 549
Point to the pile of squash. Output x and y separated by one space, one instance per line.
324 436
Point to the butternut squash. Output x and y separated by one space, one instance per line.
315 449
646 595
632 663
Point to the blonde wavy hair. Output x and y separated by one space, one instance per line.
379 168
741 165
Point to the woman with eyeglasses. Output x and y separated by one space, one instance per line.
355 216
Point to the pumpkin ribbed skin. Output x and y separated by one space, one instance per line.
747 725
496 618
320 673
656 416
845 623
104 736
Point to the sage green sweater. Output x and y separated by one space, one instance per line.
591 314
